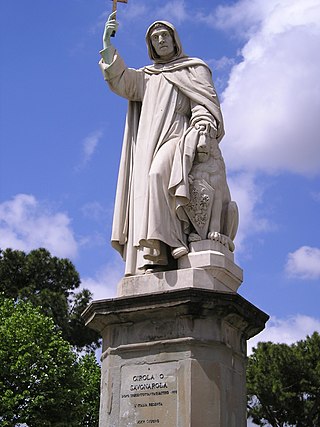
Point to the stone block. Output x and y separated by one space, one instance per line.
174 359
208 265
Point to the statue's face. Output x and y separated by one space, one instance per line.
162 42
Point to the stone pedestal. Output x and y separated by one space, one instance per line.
176 358
209 265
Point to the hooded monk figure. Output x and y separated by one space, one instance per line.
172 105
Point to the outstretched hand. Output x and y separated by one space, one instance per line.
110 29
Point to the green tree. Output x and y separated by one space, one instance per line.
90 396
40 378
283 383
49 283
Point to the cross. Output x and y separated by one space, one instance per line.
114 8
114 5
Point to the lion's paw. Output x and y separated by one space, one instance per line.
214 235
194 237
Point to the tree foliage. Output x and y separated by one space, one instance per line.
283 383
49 283
90 375
41 381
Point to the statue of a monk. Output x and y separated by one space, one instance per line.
172 107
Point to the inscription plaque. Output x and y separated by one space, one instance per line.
148 395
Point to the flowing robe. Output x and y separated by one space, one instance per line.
160 140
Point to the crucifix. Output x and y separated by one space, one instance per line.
114 8
114 5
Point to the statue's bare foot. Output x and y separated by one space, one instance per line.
179 252
149 269
194 237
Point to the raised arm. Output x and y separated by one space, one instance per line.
124 81
110 28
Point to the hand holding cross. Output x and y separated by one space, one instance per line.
110 29
114 10
111 24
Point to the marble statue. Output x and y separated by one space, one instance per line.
211 211
172 186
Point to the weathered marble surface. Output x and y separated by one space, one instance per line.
172 186
174 359
208 265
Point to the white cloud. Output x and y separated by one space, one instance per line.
153 10
248 195
90 143
304 263
316 196
94 210
222 63
26 224
89 146
272 102
104 284
176 9
92 240
243 16
287 331
134 10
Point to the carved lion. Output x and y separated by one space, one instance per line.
211 211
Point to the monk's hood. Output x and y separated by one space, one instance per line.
176 40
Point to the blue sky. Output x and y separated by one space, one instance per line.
61 132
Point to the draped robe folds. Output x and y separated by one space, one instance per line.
159 146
